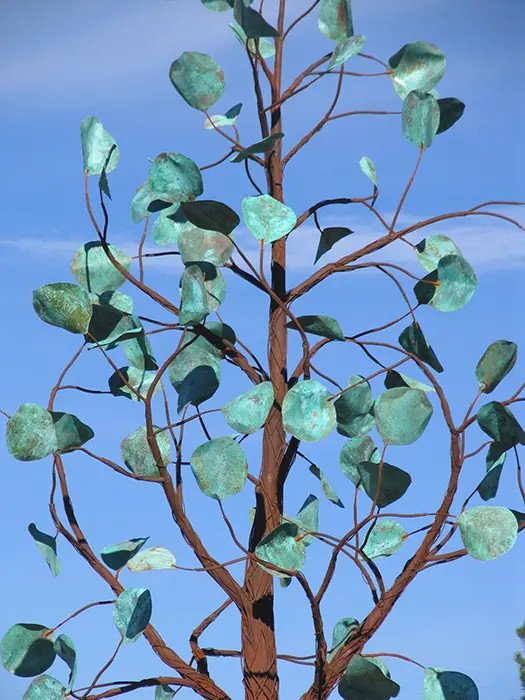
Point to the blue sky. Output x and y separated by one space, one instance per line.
61 62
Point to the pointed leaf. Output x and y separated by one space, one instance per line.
266 48
335 19
385 538
280 548
394 482
342 632
413 341
450 111
139 353
248 412
132 613
65 649
117 555
325 326
211 215
417 66
109 327
201 245
92 268
137 378
457 283
487 532
354 402
45 688
96 145
307 519
70 431
64 305
164 692
220 467
195 375
346 49
329 237
420 118
325 485
267 218
363 679
306 412
440 684
27 649
229 118
395 379
369 169
500 424
252 23
431 249
357 450
402 415
488 487
47 547
198 79
30 433
175 178
155 558
260 147
495 363
137 454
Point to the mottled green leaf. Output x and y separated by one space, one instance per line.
385 538
137 454
215 285
142 199
195 375
395 379
431 249
440 684
417 66
354 402
280 548
170 223
248 412
137 378
252 23
488 487
363 679
267 218
132 613
220 329
220 467
358 425
30 433
45 688
175 178
342 632
139 352
334 19
164 692
413 341
266 48
216 6
198 79
307 519
117 300
201 245
346 49
325 326
487 532
70 431
394 482
65 649
450 111
152 559
194 306
306 412
402 414
96 145
329 237
420 118
64 305
110 327
500 424
117 555
92 268
495 363
211 215
27 649
357 450
47 547
260 147
325 485
457 283
369 169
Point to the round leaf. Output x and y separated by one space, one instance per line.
139 353
195 375
30 433
155 558
280 548
45 688
457 284
496 362
92 268
200 245
354 402
450 111
440 684
175 178
420 118
499 423
417 66
402 415
267 218
132 613
137 378
197 79
109 327
137 454
358 425
70 431
27 649
96 145
193 294
431 249
65 305
220 467
487 532
394 482
355 451
117 555
385 538
248 412
363 679
334 19
306 412
117 300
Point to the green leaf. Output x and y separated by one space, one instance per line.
260 147
450 111
103 184
229 118
211 215
220 467
65 649
385 538
307 519
325 326
431 249
195 375
200 245
417 66
92 268
495 363
488 487
363 679
266 48
413 341
343 630
487 532
194 306
164 692
215 285
394 482
137 378
169 225
520 517
402 414
175 178
110 327
70 431
420 118
30 433
117 555
325 485
216 6
329 237
306 412
267 218
142 200
96 145
117 300
500 424
395 379
346 49
252 23
354 402
280 548
440 684
457 284
27 649
248 412
334 19
47 547
220 329
357 450
64 305
369 169
358 425
45 688
153 559
137 454
132 613
139 353
198 79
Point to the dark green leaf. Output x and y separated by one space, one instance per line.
65 649
266 49
358 425
117 555
325 326
488 487
329 237
252 23
413 341
394 482
325 485
139 353
354 402
195 375
420 118
487 532
334 19
132 613
175 178
220 329
260 147
64 305
137 454
357 450
220 467
450 111
342 632
440 684
457 283
395 379
364 679
70 431
110 327
211 215
47 547
402 414
137 378
496 362
500 424
417 66
30 433
96 145
306 412
103 184
92 268
198 79
280 548
27 649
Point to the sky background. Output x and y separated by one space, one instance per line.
61 62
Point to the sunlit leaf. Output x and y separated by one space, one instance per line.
30 433
420 118
47 546
342 632
132 613
334 19
431 249
142 200
440 684
200 245
70 431
329 237
96 145
198 79
175 178
413 341
402 414
260 147
65 649
306 412
450 111
363 679
64 305
325 485
487 532
248 412
394 482
346 49
281 548
92 268
153 559
166 229
136 378
27 649
266 48
117 555
267 218
457 283
495 363
357 450
385 538
195 375
229 118
395 379
45 688
137 454
369 169
500 424
307 519
417 66
325 326
252 23
220 467
164 692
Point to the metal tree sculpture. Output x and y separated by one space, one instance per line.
285 407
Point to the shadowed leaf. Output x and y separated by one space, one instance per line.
117 555
211 215
260 147
358 425
487 532
220 467
325 326
499 423
64 305
139 353
394 482
70 431
440 684
248 412
364 679
354 402
488 487
30 433
402 414
132 613
357 450
229 118
164 692
47 547
110 327
117 300
65 649
495 363
137 378
307 519
175 178
342 632
195 375
96 145
137 454
325 485
395 379
220 329
457 283
450 111
431 249
280 548
306 412
26 651
252 23
346 49
413 341
329 237
198 79
266 48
